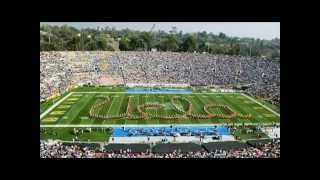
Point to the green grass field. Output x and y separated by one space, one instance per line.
242 134
67 134
73 108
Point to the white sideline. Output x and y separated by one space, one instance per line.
55 105
156 93
141 125
261 104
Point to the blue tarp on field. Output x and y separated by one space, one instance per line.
170 131
158 91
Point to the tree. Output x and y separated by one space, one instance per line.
104 42
147 38
134 44
91 45
236 49
173 30
275 55
222 35
55 38
171 43
202 40
124 44
73 44
189 44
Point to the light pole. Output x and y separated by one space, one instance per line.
49 37
89 37
250 49
79 35
208 45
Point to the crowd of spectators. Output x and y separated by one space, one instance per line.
262 75
265 150
60 69
54 74
269 149
59 150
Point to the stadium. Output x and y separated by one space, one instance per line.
158 104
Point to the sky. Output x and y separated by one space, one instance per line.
262 30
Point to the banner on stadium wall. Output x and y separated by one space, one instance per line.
72 87
223 90
155 85
53 96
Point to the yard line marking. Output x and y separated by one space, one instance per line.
268 115
112 102
50 119
64 106
77 95
261 104
57 112
73 99
55 105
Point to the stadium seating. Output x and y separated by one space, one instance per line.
181 147
132 147
269 149
226 145
59 70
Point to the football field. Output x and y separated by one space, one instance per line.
118 108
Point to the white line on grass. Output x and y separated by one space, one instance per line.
261 104
55 105
156 93
112 102
144 125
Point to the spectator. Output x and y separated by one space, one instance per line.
59 150
59 70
